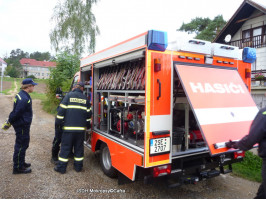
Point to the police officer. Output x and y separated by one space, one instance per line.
257 134
20 118
75 112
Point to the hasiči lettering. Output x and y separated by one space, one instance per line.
216 88
76 100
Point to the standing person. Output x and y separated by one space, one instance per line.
57 141
75 112
20 118
257 134
58 133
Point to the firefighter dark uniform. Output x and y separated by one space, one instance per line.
21 118
257 134
75 112
56 142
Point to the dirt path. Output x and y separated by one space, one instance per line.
43 182
14 92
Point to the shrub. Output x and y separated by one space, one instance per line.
31 76
61 76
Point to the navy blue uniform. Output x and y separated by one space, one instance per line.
75 113
257 134
57 140
21 118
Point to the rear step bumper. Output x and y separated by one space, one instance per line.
175 180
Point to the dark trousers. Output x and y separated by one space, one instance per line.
21 145
261 194
70 140
57 142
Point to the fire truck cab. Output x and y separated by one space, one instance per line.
166 109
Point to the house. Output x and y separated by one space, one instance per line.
247 28
3 66
39 69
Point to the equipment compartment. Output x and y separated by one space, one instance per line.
119 101
186 134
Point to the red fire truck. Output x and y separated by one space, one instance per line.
165 110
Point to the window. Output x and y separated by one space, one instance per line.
254 37
257 31
246 35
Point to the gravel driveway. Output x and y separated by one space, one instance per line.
44 183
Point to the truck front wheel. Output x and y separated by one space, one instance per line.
106 163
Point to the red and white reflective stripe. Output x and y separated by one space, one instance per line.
225 115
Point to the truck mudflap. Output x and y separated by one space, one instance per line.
220 101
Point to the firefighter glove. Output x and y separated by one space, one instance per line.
6 125
231 144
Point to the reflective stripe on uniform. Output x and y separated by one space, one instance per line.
63 106
74 128
88 110
77 107
59 117
88 120
78 159
63 159
29 101
264 113
19 96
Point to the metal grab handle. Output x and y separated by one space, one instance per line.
160 87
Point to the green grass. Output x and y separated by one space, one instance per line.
7 91
249 168
8 79
41 96
49 107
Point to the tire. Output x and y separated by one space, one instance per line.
106 162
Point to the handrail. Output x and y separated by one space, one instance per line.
254 42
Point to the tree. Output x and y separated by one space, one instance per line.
41 56
15 68
75 26
61 76
12 71
205 28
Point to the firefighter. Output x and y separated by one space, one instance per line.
75 112
57 141
20 118
257 134
58 134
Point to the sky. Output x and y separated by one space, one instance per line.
26 24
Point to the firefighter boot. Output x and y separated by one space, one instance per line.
27 165
22 170
61 167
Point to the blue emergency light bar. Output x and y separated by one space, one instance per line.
249 55
157 40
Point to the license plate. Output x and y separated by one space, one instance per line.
160 146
